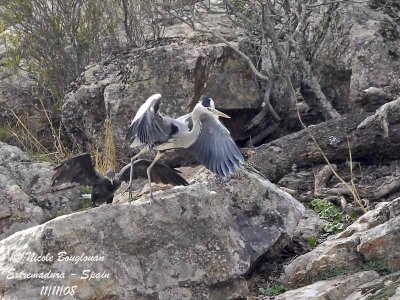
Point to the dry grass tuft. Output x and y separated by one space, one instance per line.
106 159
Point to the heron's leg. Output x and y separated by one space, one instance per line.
158 156
143 150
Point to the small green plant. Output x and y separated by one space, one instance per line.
202 39
331 273
5 133
313 241
378 266
87 190
274 290
87 203
329 212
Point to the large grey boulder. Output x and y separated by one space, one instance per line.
358 57
180 72
25 197
196 246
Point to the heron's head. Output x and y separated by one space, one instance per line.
110 174
209 106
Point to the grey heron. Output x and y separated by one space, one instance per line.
80 169
200 132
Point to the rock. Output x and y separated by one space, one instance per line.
196 246
25 197
384 287
180 72
309 227
265 214
337 288
372 238
358 58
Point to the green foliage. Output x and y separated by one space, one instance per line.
5 133
313 241
202 39
331 273
274 290
55 40
2 26
329 212
87 203
378 266
243 7
87 190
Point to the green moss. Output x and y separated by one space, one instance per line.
331 273
87 203
382 290
87 190
378 266
273 290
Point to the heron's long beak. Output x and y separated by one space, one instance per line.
220 113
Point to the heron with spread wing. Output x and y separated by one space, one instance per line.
200 132
79 169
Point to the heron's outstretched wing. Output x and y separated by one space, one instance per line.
215 148
78 169
159 173
148 126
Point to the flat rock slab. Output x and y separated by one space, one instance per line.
337 288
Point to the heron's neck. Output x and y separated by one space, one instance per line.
194 133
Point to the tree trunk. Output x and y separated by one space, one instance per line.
275 159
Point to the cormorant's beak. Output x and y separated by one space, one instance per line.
219 113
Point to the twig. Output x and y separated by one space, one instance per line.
355 196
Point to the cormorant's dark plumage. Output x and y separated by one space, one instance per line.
79 169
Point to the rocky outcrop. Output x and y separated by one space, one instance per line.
25 196
384 287
197 245
366 285
309 228
372 239
180 72
338 288
358 58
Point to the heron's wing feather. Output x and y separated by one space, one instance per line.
215 148
148 126
159 173
187 119
78 169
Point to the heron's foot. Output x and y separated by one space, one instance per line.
130 195
152 200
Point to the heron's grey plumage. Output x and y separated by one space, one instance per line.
149 127
200 131
215 148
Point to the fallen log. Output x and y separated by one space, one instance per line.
369 143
